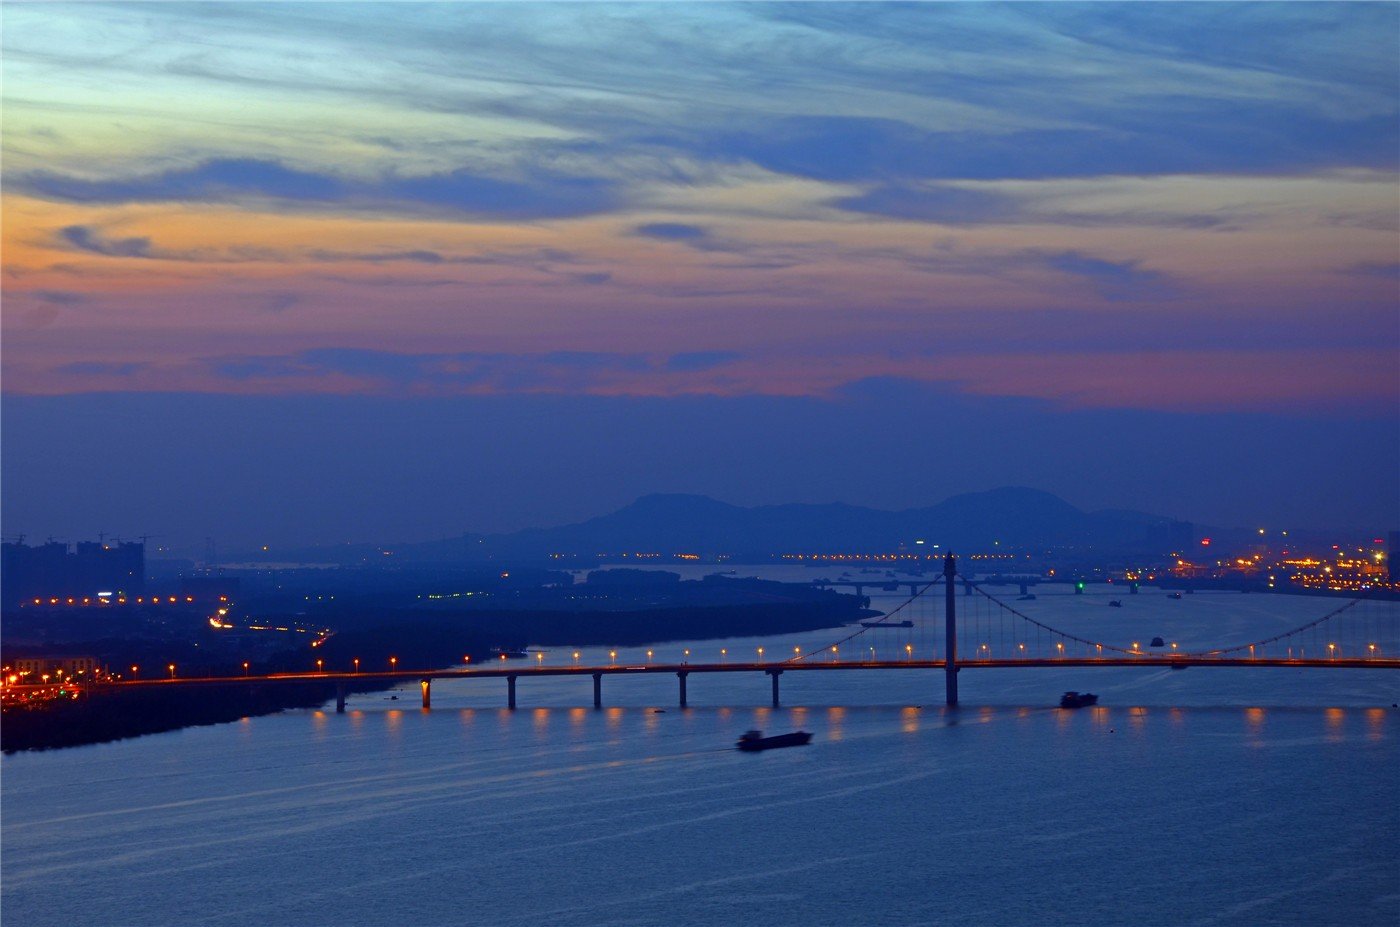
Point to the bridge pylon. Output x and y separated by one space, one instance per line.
950 628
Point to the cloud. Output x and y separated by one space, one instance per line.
553 371
1387 269
375 257
85 238
534 194
939 203
215 180
701 360
671 231
103 368
1199 135
59 297
694 236
1114 280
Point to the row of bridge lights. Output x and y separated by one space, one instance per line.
984 652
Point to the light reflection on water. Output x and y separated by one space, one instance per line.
1241 797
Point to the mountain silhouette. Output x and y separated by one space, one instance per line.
671 523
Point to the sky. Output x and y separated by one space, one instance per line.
331 272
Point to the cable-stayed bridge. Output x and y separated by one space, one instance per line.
935 629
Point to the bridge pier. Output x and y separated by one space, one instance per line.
597 690
775 673
340 698
427 685
950 628
681 676
510 692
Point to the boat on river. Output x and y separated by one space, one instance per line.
887 624
1078 699
753 741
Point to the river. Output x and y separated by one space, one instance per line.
1211 796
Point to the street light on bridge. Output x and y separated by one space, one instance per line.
393 663
319 664
357 664
172 671
134 670
245 667
760 654
908 652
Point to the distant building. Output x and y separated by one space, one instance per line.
36 667
52 570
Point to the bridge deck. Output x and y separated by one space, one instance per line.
497 671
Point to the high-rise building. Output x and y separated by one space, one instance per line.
52 570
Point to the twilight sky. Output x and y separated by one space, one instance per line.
334 272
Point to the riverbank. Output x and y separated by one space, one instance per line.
413 641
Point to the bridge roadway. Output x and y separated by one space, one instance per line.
774 670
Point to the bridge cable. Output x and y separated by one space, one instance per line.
863 628
1310 626
1054 631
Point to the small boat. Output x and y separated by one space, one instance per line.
1115 603
1028 597
1173 595
887 624
1157 642
753 741
1078 699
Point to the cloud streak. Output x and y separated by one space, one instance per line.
535 194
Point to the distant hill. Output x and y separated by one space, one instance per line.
1016 517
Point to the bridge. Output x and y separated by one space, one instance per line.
992 635
888 584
